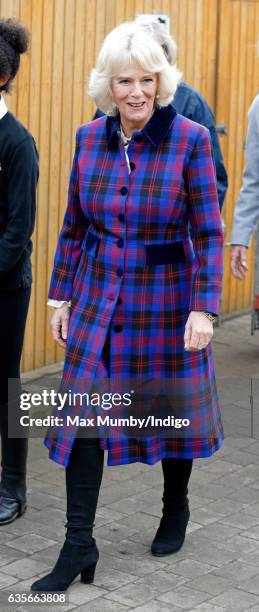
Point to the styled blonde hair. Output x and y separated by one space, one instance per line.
125 44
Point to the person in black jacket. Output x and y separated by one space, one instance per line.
18 181
189 103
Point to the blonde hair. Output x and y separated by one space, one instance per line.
127 43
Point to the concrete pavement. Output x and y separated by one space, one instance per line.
217 569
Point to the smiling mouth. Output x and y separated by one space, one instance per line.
136 105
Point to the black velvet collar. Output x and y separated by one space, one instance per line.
155 130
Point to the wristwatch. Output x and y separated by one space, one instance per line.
209 316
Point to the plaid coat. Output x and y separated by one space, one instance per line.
126 261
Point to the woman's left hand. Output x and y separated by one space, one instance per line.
198 332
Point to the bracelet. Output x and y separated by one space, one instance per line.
209 316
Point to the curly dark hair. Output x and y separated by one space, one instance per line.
14 40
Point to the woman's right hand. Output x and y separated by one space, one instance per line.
59 324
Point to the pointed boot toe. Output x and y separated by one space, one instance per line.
73 560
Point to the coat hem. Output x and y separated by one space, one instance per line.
167 454
202 454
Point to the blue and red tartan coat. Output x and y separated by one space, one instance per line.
126 261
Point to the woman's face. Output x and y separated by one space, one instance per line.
134 92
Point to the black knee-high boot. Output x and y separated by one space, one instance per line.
171 531
79 553
14 453
83 481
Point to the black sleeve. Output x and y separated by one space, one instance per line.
22 177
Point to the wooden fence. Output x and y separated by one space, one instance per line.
217 54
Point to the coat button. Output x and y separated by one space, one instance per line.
119 301
111 296
132 166
138 138
117 328
121 218
124 191
120 243
119 272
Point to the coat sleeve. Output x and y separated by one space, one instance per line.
222 177
192 104
207 233
202 113
22 182
246 213
74 228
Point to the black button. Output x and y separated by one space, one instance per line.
121 218
132 166
120 243
117 328
119 301
124 190
119 272
138 138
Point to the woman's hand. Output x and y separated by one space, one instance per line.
238 261
59 324
198 332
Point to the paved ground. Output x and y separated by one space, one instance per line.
217 569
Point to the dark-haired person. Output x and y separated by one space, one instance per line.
18 181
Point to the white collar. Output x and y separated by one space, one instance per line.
3 108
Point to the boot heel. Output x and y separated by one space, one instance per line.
22 508
87 575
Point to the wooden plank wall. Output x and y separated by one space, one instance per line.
50 98
237 85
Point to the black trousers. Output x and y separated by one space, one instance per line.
13 313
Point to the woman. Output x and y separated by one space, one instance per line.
140 303
18 181
189 103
